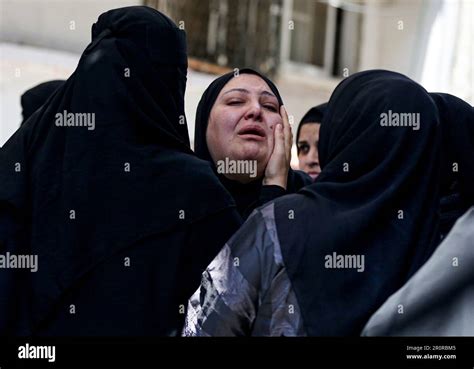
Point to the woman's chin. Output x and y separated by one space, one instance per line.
250 151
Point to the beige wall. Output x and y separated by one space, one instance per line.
385 46
46 23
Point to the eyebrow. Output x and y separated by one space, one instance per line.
243 90
306 142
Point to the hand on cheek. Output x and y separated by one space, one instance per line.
276 172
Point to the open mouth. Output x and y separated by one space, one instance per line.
252 132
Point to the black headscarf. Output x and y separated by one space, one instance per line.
35 97
457 187
206 103
247 196
314 115
374 197
132 177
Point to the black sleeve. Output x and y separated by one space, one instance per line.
297 179
269 193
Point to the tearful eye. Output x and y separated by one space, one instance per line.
271 108
303 149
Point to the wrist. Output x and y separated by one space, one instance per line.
275 181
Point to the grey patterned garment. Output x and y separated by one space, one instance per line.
245 291
439 299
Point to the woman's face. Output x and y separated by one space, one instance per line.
308 149
242 121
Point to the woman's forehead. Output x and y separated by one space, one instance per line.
310 129
247 82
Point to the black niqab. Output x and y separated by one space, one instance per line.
457 165
35 97
374 198
83 196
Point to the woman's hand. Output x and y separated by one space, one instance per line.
276 172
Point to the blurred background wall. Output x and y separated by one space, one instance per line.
308 46
54 24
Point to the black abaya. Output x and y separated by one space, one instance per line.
35 97
374 199
122 215
457 152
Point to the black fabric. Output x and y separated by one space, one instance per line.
457 164
314 115
251 195
356 211
133 181
35 97
157 284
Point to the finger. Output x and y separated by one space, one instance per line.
279 145
287 130
284 114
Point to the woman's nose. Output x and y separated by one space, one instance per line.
313 155
254 112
